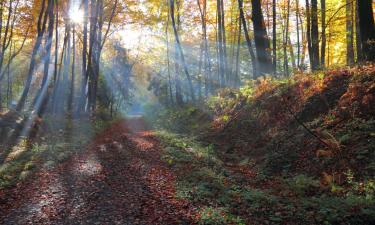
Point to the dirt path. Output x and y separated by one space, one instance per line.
117 179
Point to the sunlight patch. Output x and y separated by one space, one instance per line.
142 143
16 151
88 167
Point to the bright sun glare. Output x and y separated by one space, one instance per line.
76 15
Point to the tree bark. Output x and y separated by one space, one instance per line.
308 32
262 43
238 71
248 40
349 33
367 29
298 35
71 95
274 38
81 106
314 35
324 41
286 41
358 34
182 56
41 26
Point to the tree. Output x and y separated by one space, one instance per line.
324 39
180 51
274 37
41 27
262 42
367 29
314 54
248 40
349 33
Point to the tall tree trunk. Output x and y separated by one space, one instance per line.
179 48
168 55
41 26
9 28
220 44
308 32
81 105
248 40
349 33
179 97
71 95
291 52
56 41
207 60
9 78
97 53
262 43
238 71
286 40
41 99
314 35
358 34
274 38
367 29
324 41
298 35
304 45
224 43
57 102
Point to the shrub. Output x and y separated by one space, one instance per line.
218 216
302 184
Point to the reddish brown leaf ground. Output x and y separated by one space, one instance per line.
117 179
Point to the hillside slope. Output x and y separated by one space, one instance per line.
293 151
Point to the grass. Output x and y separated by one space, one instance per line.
204 180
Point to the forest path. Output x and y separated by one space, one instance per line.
118 179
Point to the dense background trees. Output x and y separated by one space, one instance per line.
53 52
248 39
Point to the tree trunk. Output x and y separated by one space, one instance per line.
304 45
248 40
324 41
224 43
286 40
56 41
168 61
41 99
358 34
81 105
367 29
179 97
238 71
41 26
314 35
71 95
262 43
220 44
298 35
179 48
349 33
274 38
308 32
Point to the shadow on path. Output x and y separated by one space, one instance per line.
117 179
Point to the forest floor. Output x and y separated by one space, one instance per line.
118 179
296 151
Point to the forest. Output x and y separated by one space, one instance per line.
212 112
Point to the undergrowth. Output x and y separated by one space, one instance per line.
299 150
56 142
